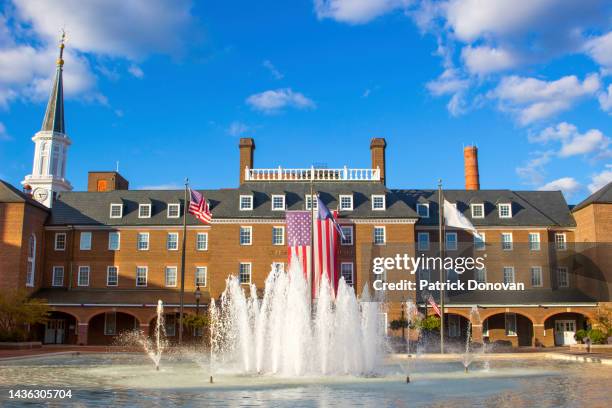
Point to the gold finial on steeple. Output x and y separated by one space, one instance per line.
60 60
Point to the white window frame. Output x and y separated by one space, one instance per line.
532 269
534 245
484 274
113 206
110 234
141 208
374 197
346 241
107 331
200 268
250 267
274 207
446 241
352 267
146 276
246 228
56 269
384 230
504 205
172 234
425 206
82 236
421 242
480 245
507 329
282 228
169 269
175 206
511 242
560 245
511 268
309 199
108 274
348 197
565 271
202 234
83 268
249 201
57 241
31 265
143 234
477 205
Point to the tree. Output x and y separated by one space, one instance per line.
195 321
603 319
400 323
18 310
430 323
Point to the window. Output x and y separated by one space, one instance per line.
508 274
536 276
31 268
310 200
172 241
171 276
346 202
60 241
451 241
144 211
424 274
85 244
278 266
480 275
346 271
278 235
110 323
114 241
534 241
246 235
278 202
143 241
245 273
423 210
174 210
141 275
116 210
112 276
560 242
477 210
202 241
510 324
423 241
58 276
480 242
200 276
454 326
378 202
505 210
347 231
83 276
102 185
507 241
379 235
170 325
563 277
246 202
485 328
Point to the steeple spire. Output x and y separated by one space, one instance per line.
54 116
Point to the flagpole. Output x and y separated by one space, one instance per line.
312 226
441 243
182 293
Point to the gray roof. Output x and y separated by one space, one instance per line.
601 196
10 194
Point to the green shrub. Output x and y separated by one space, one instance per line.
580 334
398 324
430 323
597 336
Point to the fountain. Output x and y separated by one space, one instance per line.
155 350
468 356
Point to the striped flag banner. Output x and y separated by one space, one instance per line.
198 206
434 305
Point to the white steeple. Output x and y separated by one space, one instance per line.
51 145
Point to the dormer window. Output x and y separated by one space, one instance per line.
174 210
477 210
278 202
378 202
423 210
312 199
505 210
144 211
246 202
116 210
346 202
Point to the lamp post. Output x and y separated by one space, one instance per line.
198 295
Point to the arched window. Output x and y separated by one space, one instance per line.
55 160
44 159
31 261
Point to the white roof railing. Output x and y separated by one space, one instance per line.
311 174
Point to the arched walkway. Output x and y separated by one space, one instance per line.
508 328
60 328
562 327
105 327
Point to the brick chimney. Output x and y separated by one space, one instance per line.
377 148
247 147
106 181
472 178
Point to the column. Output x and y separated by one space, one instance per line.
477 333
144 328
82 329
539 336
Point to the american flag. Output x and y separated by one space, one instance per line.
198 206
434 305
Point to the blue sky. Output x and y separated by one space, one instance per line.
168 87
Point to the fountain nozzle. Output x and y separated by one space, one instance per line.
407 379
156 368
211 379
466 369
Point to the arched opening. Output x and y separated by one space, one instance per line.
60 328
562 327
508 329
171 326
31 267
105 327
455 331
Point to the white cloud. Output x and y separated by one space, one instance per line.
600 49
4 136
485 60
534 99
356 11
568 185
275 100
573 142
237 129
273 70
601 179
136 71
533 170
605 100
